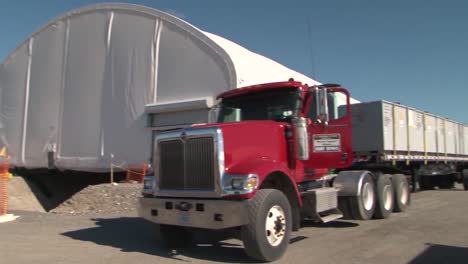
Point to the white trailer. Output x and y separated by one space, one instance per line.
433 149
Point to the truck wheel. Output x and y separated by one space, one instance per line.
401 192
175 236
266 236
385 197
465 179
360 207
426 183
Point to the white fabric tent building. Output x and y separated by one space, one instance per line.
79 89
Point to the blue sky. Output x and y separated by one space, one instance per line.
414 51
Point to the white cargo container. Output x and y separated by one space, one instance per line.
397 132
393 137
465 140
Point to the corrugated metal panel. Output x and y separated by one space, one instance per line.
388 122
441 143
431 133
453 138
461 145
366 121
465 139
396 129
416 130
401 131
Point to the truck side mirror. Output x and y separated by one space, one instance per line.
321 97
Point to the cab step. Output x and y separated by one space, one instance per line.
331 217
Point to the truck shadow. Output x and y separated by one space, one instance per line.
132 234
435 253
332 224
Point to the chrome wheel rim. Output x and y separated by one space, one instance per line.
387 197
404 193
368 196
275 225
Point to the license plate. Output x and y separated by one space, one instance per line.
184 218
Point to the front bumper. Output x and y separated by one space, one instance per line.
209 214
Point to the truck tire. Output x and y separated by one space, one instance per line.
465 179
175 236
344 205
385 196
426 182
401 192
360 207
266 236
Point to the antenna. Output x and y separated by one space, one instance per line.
311 50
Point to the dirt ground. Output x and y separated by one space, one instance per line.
23 195
102 198
432 231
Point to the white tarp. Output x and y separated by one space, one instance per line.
78 87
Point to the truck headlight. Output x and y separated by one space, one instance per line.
240 183
148 184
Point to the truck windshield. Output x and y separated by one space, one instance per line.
279 104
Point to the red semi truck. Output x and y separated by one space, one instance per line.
281 153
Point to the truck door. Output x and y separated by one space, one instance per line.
329 129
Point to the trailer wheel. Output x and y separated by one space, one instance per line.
385 196
175 236
359 207
401 192
465 179
426 182
266 236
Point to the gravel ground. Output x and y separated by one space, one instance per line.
431 231
102 199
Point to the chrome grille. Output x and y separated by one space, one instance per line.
187 165
171 158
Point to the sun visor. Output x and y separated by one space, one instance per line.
182 105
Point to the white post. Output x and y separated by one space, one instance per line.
112 169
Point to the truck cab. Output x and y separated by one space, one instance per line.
264 166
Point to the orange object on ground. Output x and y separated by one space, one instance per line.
4 177
3 195
136 172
